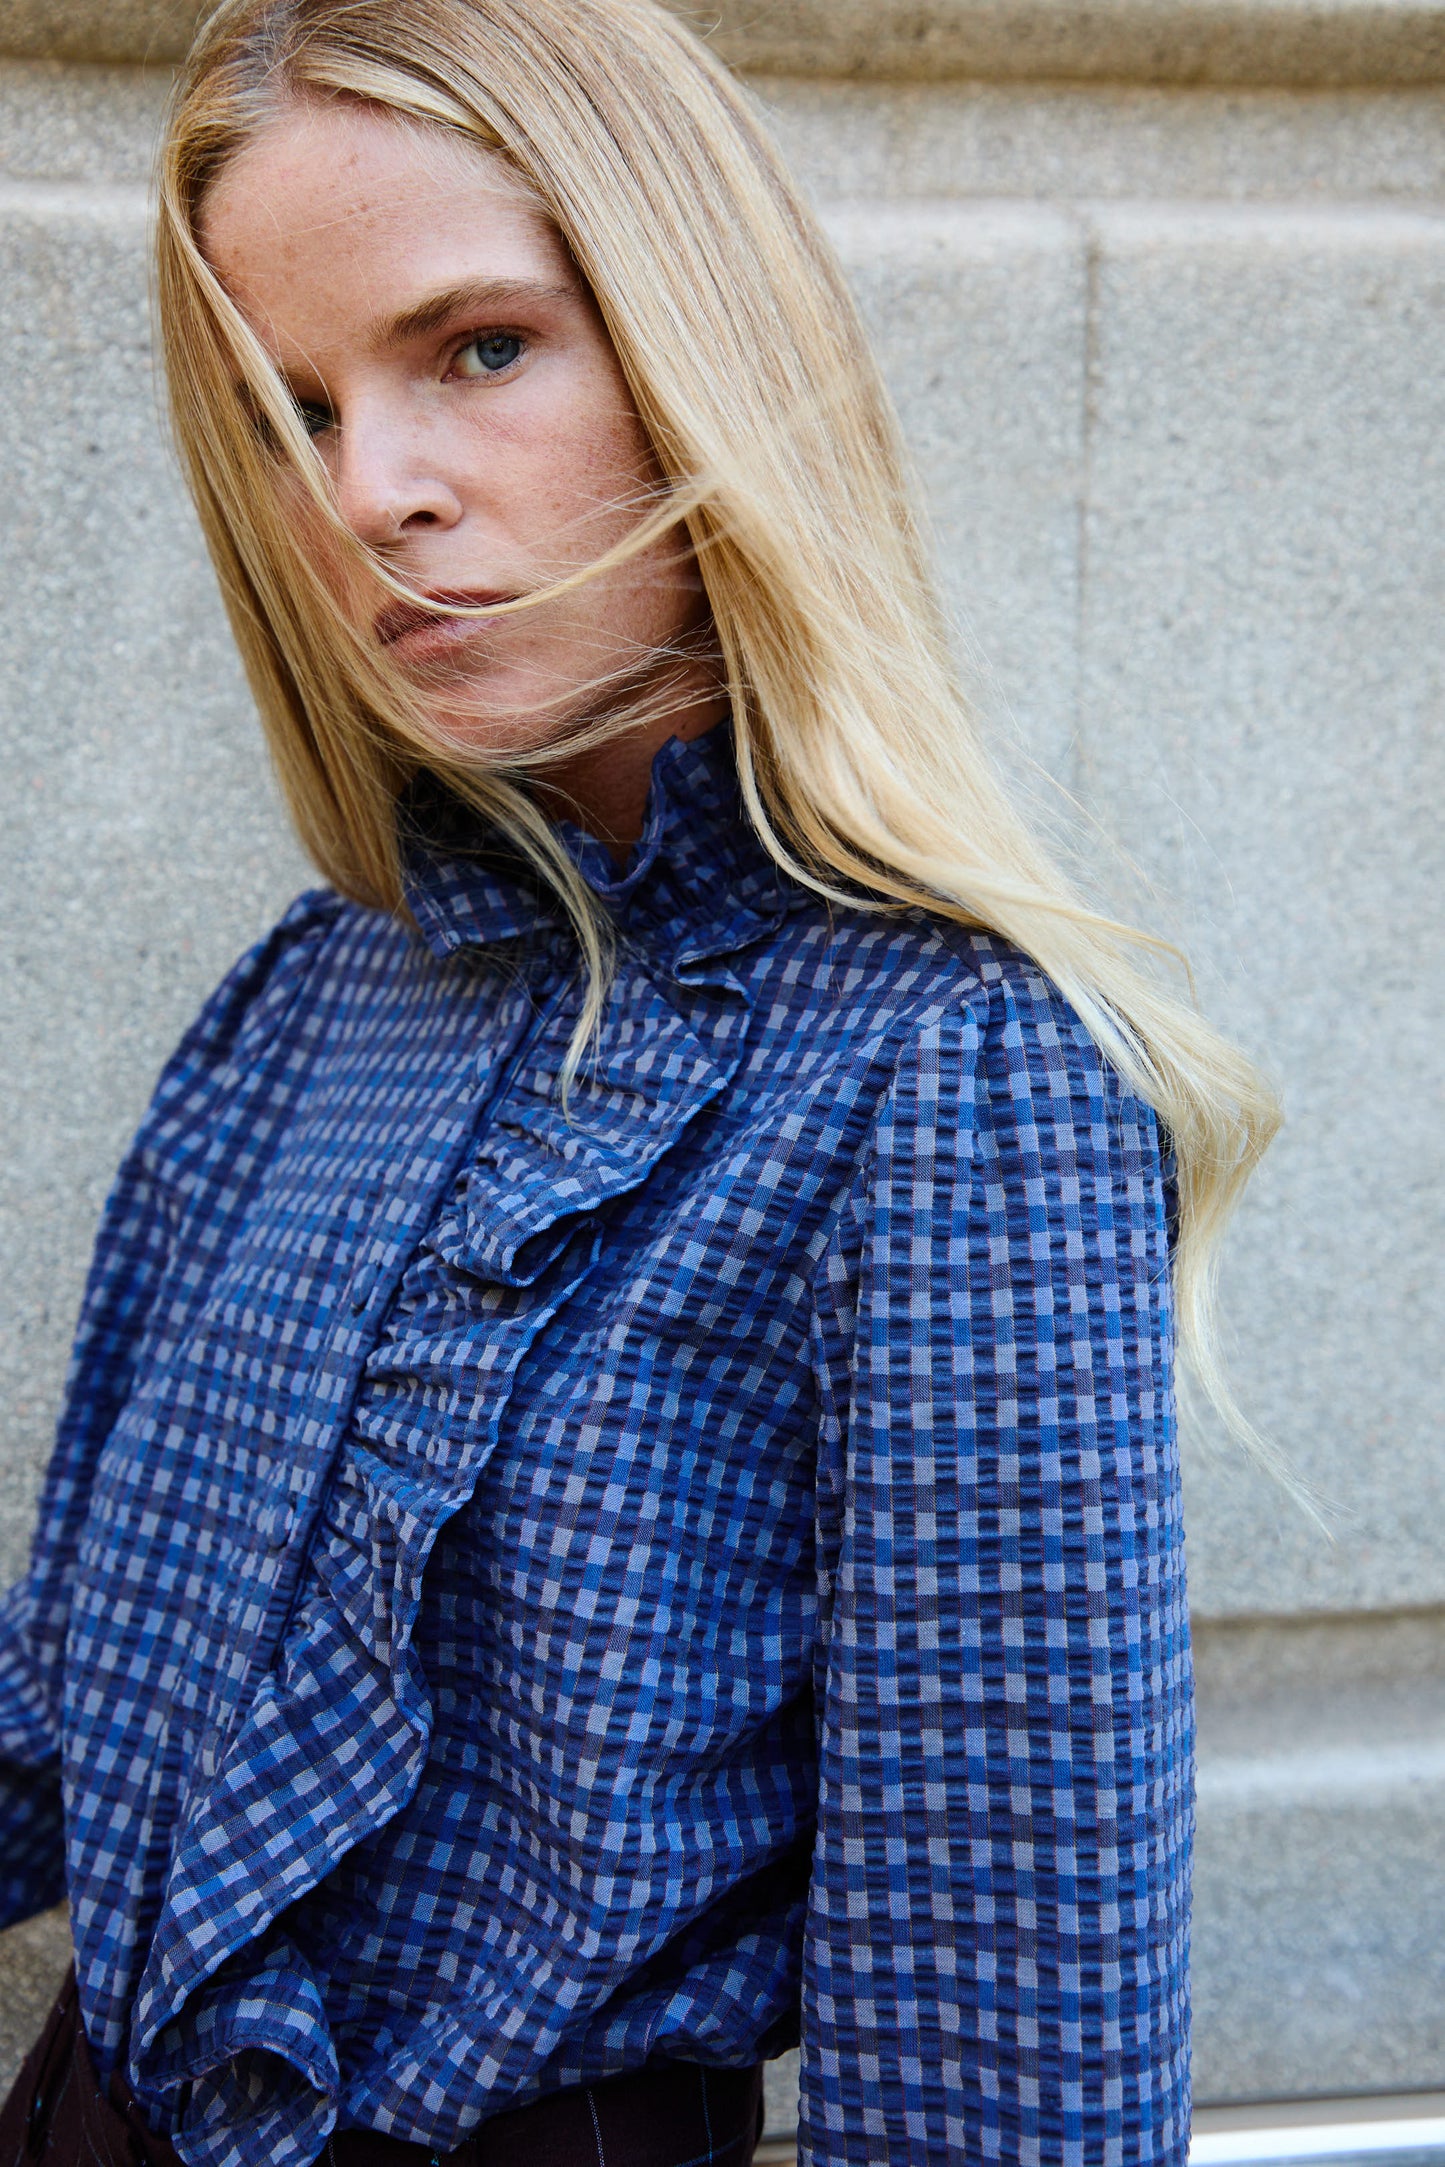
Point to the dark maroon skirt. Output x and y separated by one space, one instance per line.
676 2114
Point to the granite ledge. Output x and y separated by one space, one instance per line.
1297 43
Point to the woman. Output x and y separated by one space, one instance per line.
618 1503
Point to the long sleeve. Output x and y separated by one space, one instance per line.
997 1941
129 1258
122 1316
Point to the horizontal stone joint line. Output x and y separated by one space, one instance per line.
1325 1773
1301 43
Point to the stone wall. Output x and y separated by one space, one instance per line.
1160 287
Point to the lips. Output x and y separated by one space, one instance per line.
399 619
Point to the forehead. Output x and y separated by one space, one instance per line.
340 215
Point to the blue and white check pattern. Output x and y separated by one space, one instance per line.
522 1591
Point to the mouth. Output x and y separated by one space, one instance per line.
405 620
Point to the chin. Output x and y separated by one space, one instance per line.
488 724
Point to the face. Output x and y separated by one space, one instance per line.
465 398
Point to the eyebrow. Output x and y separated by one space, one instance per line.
478 294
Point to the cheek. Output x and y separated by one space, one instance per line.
342 572
614 454
579 472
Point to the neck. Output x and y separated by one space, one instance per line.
604 786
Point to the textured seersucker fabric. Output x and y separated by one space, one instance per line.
523 1590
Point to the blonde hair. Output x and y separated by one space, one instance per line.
861 765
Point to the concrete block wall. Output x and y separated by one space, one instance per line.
1160 289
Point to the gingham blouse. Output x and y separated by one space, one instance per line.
525 1589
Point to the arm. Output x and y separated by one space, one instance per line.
133 1252
129 1258
996 1962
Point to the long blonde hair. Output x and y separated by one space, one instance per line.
862 767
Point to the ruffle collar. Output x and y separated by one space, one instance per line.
698 880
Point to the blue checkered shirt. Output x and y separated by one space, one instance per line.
523 1590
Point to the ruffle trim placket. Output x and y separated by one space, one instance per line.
230 2042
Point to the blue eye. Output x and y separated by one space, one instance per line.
488 354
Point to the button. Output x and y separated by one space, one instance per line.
275 1521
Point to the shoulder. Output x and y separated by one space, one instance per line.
1010 1175
977 1056
256 992
914 991
245 1037
1029 1051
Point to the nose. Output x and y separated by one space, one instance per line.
387 487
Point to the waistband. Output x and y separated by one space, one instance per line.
670 2114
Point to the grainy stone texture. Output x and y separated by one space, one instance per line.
1299 42
129 30
872 141
886 141
79 124
33 1961
143 847
1262 662
1319 1936
978 316
1185 461
780 2096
